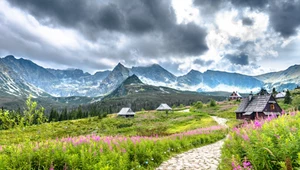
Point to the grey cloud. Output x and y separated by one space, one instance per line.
240 59
285 17
106 21
209 6
186 39
23 43
284 14
250 3
247 21
201 62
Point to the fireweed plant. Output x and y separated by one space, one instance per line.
271 143
105 152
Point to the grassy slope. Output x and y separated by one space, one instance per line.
144 124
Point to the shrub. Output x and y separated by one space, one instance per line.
212 103
198 105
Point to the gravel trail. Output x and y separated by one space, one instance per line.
206 157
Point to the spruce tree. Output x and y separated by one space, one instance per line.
288 98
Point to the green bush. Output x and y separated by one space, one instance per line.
212 103
198 105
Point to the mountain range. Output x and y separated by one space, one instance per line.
21 77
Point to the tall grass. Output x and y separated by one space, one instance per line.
107 152
264 144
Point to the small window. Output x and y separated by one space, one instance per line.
272 106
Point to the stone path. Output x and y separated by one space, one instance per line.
206 157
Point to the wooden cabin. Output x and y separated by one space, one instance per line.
256 107
126 112
235 96
280 95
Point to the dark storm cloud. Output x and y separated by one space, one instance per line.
134 19
250 3
285 17
202 62
208 7
247 21
240 59
284 14
186 39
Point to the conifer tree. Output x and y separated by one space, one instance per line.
288 98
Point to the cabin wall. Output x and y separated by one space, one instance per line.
239 115
259 115
276 107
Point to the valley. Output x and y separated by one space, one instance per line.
72 87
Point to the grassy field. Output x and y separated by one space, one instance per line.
147 123
141 142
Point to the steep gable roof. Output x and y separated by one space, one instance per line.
164 106
235 94
281 95
256 104
126 111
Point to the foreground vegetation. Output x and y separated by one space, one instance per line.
266 144
110 142
142 142
144 124
95 152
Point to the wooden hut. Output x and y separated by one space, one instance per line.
126 112
255 107
164 107
235 96
280 95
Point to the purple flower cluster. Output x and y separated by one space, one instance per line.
246 166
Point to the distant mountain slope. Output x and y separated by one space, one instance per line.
218 81
29 71
288 78
137 95
12 84
75 82
154 75
133 85
70 82
114 79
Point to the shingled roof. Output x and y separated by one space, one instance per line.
163 107
256 104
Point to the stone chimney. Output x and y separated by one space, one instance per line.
250 96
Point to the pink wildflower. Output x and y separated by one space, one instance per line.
1 148
245 137
51 167
293 113
247 165
236 130
257 124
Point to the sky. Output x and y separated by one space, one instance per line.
245 36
